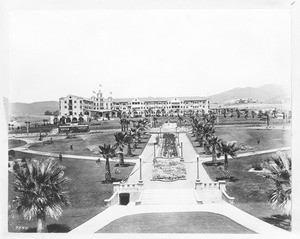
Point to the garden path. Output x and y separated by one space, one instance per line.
190 162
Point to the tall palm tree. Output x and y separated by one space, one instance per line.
40 188
129 139
180 119
120 138
107 152
246 114
238 113
214 145
279 171
228 148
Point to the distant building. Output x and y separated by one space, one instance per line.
74 109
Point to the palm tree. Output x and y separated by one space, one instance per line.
238 113
228 148
108 152
120 138
274 113
260 114
129 139
214 144
279 171
180 119
40 188
224 113
246 113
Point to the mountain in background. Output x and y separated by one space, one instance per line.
265 94
32 108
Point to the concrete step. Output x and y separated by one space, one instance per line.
163 197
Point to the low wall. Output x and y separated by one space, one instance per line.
134 191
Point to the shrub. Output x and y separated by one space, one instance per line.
257 167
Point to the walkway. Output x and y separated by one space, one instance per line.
175 189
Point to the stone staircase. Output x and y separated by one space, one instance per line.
168 196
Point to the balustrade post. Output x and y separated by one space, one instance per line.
198 176
141 178
181 147
154 150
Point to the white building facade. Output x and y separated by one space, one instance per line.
74 109
161 106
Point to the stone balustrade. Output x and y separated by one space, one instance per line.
134 190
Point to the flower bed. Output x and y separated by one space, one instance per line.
169 145
168 170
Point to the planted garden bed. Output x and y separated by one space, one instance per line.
168 170
169 145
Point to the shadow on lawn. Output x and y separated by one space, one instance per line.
113 180
52 228
282 221
227 179
213 164
124 166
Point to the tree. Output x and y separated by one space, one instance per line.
246 114
253 113
214 145
260 114
129 139
224 113
238 113
274 113
267 119
107 152
11 154
120 138
40 188
47 112
279 171
180 119
228 148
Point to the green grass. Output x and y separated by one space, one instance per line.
105 124
269 139
81 144
242 120
250 190
13 143
177 222
86 189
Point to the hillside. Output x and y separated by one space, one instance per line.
32 108
265 93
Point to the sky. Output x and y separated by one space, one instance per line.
140 53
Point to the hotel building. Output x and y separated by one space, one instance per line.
76 108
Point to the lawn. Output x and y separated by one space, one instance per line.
14 143
268 139
86 189
249 121
250 190
177 222
105 124
85 144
